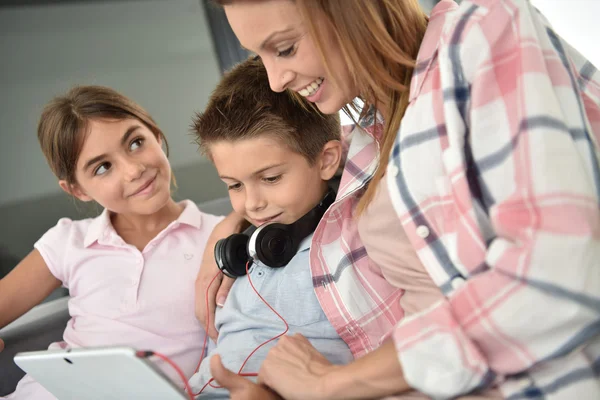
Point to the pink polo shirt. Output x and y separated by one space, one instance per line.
121 296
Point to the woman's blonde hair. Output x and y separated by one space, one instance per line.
379 40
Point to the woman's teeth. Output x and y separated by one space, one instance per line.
312 88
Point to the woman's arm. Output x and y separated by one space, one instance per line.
217 293
375 375
24 287
519 146
296 370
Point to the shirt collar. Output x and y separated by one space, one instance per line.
191 215
101 225
305 243
372 123
429 46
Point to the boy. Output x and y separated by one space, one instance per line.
275 157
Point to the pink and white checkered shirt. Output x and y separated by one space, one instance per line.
495 179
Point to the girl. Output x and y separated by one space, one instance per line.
130 271
462 253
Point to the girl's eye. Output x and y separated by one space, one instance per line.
272 179
102 169
287 52
235 187
136 143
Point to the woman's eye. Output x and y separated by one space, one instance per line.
234 187
285 53
136 144
272 179
102 169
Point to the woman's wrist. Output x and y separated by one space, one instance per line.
335 384
378 374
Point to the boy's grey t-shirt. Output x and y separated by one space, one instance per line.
245 322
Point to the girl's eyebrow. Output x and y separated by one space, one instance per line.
124 139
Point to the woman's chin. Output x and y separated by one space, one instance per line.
329 107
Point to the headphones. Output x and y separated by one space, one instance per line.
273 244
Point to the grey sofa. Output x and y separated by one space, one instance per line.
45 323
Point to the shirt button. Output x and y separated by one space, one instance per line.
260 273
133 282
457 282
422 231
394 170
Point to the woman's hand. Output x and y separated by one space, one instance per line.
217 293
296 370
239 387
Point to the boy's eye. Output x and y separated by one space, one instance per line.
234 187
102 169
136 143
272 179
287 52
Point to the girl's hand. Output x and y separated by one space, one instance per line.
239 387
296 370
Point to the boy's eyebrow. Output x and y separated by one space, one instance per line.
260 171
124 139
272 35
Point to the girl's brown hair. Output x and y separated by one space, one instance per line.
64 124
379 40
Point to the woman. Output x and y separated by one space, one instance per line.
482 168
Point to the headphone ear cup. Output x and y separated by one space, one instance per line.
275 245
232 255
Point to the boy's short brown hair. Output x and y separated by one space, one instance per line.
243 106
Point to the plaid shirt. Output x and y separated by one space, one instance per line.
495 178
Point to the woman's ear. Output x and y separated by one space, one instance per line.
330 159
74 190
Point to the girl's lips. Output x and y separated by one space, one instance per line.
146 187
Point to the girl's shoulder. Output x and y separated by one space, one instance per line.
76 231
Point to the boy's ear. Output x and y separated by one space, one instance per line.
74 190
330 159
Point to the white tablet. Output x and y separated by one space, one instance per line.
98 373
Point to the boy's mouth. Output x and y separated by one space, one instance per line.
259 222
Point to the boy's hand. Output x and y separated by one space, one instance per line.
217 293
239 387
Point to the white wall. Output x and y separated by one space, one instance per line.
158 52
576 21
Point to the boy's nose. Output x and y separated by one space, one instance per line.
254 202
